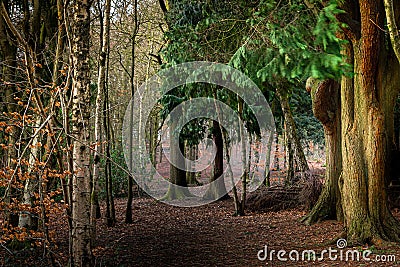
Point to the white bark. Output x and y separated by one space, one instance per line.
81 227
25 218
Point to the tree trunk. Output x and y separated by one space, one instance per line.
128 212
293 142
25 218
267 167
245 175
217 190
277 153
190 175
101 83
229 173
367 129
9 60
394 32
326 108
110 208
81 227
178 187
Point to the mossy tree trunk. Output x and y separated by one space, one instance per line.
367 125
326 108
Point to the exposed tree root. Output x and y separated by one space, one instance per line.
324 209
176 192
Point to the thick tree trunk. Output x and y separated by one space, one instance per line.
217 190
178 187
367 130
326 108
81 227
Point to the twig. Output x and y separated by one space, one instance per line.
379 27
9 251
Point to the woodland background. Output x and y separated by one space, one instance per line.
329 70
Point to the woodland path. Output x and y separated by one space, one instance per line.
163 235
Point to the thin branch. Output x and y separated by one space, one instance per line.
23 153
123 66
9 251
11 26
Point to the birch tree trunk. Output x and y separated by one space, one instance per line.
81 225
25 219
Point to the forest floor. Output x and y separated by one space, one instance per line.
163 235
209 235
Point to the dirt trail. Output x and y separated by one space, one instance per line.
163 235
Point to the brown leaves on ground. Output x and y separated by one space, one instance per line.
163 235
